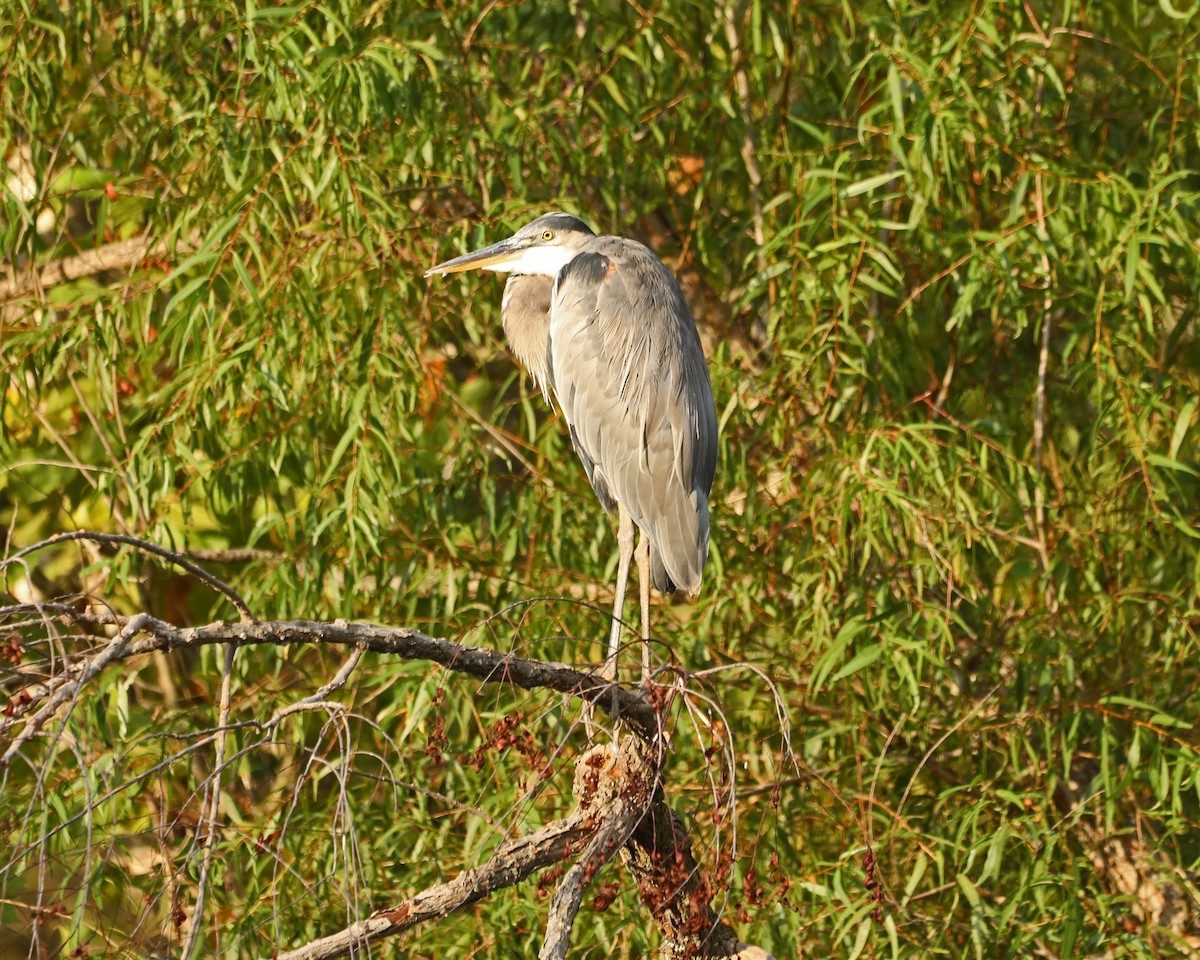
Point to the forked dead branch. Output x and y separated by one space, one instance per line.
619 792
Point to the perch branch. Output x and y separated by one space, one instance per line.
614 786
486 665
619 800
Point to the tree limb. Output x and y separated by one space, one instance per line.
674 890
613 789
619 804
490 666
617 790
617 786
122 255
515 860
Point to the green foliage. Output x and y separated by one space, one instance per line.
983 630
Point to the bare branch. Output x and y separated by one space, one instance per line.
618 791
613 789
207 831
515 860
69 683
674 890
147 547
321 695
122 255
487 665
617 785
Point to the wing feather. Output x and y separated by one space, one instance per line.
629 373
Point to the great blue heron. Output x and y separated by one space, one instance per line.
600 323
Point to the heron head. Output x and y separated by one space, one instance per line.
542 247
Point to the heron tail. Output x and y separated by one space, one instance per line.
679 545
658 573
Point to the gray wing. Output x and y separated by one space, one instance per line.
629 373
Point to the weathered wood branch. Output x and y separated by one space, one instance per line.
490 666
515 860
616 787
122 255
618 793
674 890
619 806
620 803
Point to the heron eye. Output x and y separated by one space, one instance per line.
547 235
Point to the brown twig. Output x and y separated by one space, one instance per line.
146 546
1039 418
70 682
208 831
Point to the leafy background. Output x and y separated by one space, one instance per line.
945 263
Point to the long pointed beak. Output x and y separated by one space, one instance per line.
498 253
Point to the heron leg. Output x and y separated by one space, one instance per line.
625 545
643 562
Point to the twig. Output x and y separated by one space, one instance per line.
57 694
145 545
318 700
741 83
338 681
208 826
493 431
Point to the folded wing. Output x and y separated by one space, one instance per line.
628 371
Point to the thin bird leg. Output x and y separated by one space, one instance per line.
625 545
643 562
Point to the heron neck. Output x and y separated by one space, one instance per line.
525 313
